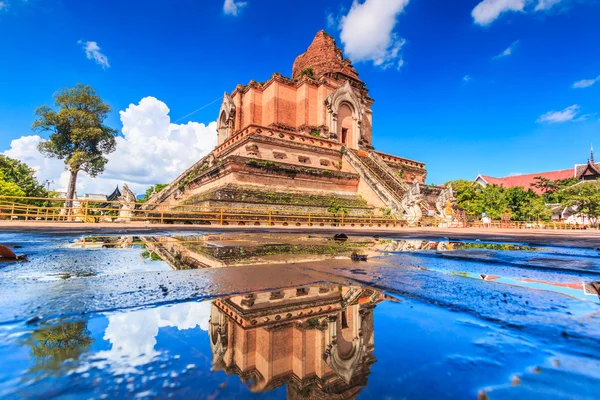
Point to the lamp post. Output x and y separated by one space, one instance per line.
48 182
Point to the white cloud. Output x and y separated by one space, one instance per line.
509 50
367 32
546 4
152 150
584 117
568 114
25 150
331 21
466 78
132 335
487 11
2 5
586 83
232 7
92 51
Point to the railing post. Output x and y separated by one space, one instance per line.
12 211
270 218
162 213
371 220
309 224
221 217
343 220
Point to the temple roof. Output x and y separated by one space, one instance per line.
528 180
323 56
114 196
591 168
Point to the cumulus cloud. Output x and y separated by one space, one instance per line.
586 83
546 4
367 32
25 150
2 5
232 7
92 51
568 114
487 11
509 50
132 335
152 150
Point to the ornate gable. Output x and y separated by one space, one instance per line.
344 93
589 172
226 121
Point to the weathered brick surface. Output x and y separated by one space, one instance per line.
323 56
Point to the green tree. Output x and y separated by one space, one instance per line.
585 198
496 201
154 189
557 193
22 175
519 202
493 201
9 188
535 209
466 194
545 184
77 132
50 347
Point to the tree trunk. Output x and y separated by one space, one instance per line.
71 192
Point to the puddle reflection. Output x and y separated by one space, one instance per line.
215 251
50 347
436 245
315 340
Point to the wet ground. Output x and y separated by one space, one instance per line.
237 315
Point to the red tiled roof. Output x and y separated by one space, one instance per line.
528 180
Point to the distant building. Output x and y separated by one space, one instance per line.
103 199
586 172
114 196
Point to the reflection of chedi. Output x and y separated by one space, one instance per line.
316 340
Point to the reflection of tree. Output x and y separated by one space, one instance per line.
51 346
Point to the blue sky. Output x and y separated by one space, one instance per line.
466 86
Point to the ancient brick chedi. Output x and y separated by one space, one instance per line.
303 142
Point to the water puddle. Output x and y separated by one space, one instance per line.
225 250
586 291
219 316
314 342
409 245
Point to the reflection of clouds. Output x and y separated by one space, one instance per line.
133 334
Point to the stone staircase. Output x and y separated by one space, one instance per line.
385 183
390 175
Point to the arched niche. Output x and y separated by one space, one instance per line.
226 121
345 113
346 124
218 333
345 345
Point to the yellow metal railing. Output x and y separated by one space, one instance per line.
39 209
55 210
555 225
